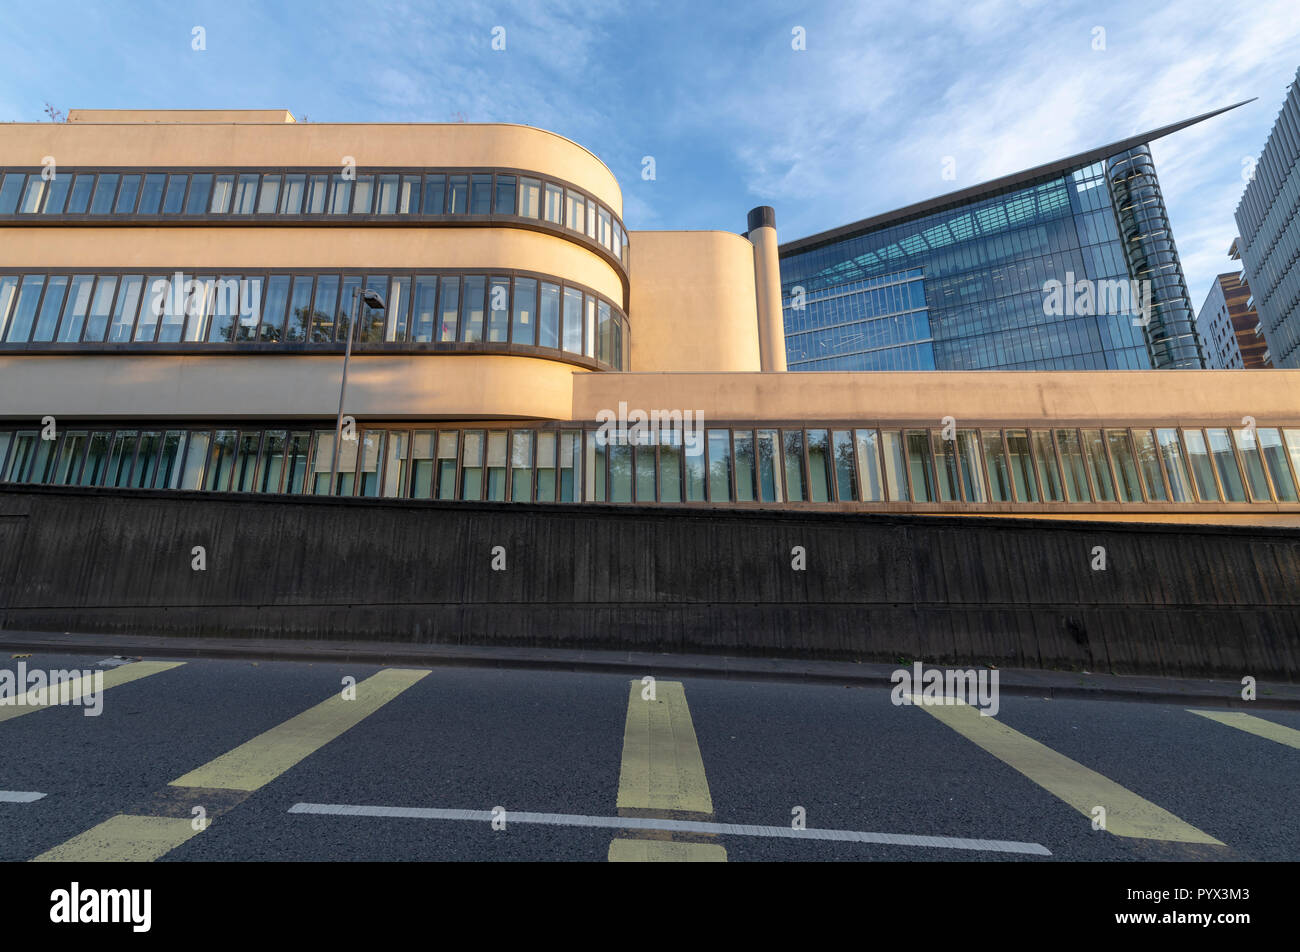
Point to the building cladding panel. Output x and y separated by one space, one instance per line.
1268 221
1230 328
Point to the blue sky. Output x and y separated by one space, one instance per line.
859 122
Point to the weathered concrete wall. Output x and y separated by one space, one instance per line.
1176 600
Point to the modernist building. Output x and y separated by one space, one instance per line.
1268 220
957 282
1229 326
177 292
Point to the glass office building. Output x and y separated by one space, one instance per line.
960 282
1268 220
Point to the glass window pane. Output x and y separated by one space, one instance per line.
83 184
363 194
720 465
372 451
196 453
273 312
1126 473
524 330
998 468
670 465
1149 466
867 450
222 187
1076 471
32 195
895 466
945 466
471 463
457 194
646 483
549 316
620 473
399 299
422 465
1270 443
499 310
74 312
694 462
96 464
1248 448
127 195
448 440
246 194
573 320
200 191
295 186
268 200
317 195
1094 448
340 196
101 307
128 304
546 472
435 188
449 308
576 211
972 472
1172 453
846 479
373 321
793 449
51 306
423 312
521 465
496 465
151 194
70 455
300 310
1049 476
11 190
1022 467
324 308
56 194
746 490
1225 464
530 191
8 292
918 464
570 470
348 294
769 466
105 190
174 197
472 309
1198 454
554 203
505 197
480 198
386 199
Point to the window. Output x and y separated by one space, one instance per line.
291 198
447 440
945 467
323 308
221 189
1198 454
423 314
273 314
521 465
719 465
246 195
471 462
299 325
11 189
105 190
769 466
793 440
349 300
480 202
1171 453
570 451
549 316
409 201
576 207
554 203
74 313
499 310
127 195
56 195
317 195
151 194
524 330
606 236
157 292
1149 466
1022 469
529 197
51 306
174 197
1094 448
573 320
606 334
434 193
372 451
422 465
449 308
1248 448
78 199
472 309
1049 476
386 198
1225 464
504 203
670 465
269 198
1076 473
457 194
200 191
972 472
1270 443
693 458
128 303
545 478
363 193
1126 473
399 296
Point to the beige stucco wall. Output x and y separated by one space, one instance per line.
336 246
262 144
1119 396
693 304
232 387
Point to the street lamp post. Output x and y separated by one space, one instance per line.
375 302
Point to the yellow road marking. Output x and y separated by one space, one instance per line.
259 761
1254 725
123 839
662 769
78 687
1127 814
665 851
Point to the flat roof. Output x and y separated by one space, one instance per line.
1070 163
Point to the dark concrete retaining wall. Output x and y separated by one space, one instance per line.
1176 600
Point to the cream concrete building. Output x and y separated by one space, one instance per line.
178 289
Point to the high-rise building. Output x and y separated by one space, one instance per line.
1229 326
960 282
1268 220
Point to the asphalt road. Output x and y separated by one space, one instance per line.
561 744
